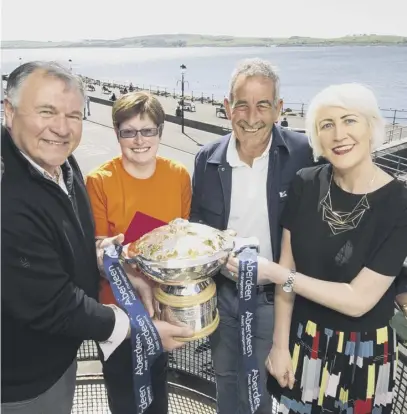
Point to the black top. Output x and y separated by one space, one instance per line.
49 276
379 243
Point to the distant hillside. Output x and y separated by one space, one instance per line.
192 40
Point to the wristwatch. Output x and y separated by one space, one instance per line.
288 285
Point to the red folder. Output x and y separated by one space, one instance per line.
140 225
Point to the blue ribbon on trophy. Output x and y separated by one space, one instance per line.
247 294
145 340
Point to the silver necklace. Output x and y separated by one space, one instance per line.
340 221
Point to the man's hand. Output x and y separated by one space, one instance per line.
102 243
168 332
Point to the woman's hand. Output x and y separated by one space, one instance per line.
263 269
267 271
280 366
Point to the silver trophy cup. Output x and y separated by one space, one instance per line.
182 257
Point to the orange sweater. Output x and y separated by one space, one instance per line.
116 196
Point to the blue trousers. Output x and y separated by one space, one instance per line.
231 387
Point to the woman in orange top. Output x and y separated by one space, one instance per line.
136 182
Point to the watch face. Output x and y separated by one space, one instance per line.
287 288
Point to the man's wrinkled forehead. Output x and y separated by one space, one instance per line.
253 89
41 81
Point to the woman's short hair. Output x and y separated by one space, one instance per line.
138 103
349 96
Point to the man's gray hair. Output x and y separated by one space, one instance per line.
256 67
53 69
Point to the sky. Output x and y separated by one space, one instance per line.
112 19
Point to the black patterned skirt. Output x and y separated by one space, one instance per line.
339 372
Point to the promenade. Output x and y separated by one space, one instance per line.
99 142
205 112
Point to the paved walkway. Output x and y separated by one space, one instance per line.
204 112
207 113
99 143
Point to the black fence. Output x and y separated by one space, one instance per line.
392 116
393 132
189 123
91 398
191 382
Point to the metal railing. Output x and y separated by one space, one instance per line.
393 164
393 132
396 133
392 116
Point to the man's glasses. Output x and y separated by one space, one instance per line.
145 132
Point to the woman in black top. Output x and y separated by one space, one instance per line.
344 242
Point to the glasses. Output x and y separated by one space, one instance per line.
145 132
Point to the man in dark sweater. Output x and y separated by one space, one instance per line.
49 266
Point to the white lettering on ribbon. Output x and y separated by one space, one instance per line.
248 333
138 350
249 280
143 398
255 387
147 335
119 280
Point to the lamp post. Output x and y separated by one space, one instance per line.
70 65
20 61
183 70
